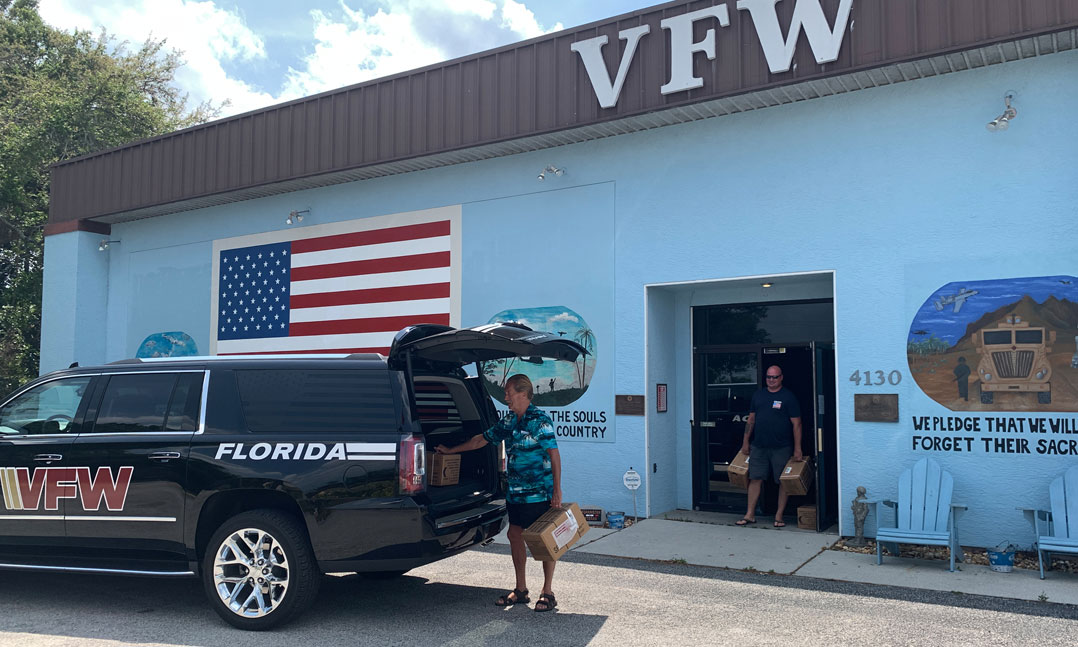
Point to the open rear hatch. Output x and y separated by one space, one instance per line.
443 346
452 407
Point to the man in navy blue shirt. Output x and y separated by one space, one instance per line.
772 436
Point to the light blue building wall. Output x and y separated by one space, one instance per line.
874 198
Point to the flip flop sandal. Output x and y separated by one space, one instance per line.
518 597
548 602
744 522
780 524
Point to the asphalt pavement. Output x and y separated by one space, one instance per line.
659 582
602 601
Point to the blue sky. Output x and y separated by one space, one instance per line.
255 53
991 295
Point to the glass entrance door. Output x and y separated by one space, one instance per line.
726 380
826 441
733 344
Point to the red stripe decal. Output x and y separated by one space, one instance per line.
371 324
372 237
372 266
372 295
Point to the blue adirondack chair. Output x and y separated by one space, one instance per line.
1057 530
924 514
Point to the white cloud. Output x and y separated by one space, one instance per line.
482 8
362 48
403 35
207 35
520 20
565 316
347 46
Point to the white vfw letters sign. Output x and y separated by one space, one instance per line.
808 15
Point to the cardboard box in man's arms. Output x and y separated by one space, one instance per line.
554 533
797 476
738 471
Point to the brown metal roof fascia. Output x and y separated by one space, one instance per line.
63 227
531 88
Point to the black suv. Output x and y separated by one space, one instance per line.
258 474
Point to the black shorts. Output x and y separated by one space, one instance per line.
768 461
525 514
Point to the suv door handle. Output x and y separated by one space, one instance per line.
48 458
164 456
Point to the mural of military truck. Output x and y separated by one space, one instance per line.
1014 358
998 345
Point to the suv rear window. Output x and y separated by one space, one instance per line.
142 402
316 400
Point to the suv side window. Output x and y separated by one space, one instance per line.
186 401
47 408
326 400
149 402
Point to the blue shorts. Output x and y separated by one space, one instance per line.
768 460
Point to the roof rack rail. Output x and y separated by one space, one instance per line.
221 358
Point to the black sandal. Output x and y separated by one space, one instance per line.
548 602
518 597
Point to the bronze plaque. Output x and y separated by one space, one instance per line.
629 405
875 407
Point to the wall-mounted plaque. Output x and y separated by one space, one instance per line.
629 405
875 407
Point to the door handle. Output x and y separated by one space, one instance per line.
48 458
164 456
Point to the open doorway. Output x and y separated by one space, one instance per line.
733 345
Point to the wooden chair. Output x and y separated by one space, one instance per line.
924 514
1057 529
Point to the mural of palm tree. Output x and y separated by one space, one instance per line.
586 338
507 365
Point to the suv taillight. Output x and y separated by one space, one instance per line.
413 464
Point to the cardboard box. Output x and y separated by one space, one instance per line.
593 515
806 517
554 533
738 471
443 469
797 476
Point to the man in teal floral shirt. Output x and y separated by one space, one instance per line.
534 473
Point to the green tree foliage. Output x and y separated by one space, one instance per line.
63 95
931 346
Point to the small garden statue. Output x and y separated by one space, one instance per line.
860 513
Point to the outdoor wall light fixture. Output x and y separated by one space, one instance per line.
766 285
296 216
551 170
1003 121
104 244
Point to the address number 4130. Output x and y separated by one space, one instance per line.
876 378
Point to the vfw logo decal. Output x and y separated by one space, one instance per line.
48 485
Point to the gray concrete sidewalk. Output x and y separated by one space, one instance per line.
711 539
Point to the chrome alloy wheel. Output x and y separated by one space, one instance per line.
250 572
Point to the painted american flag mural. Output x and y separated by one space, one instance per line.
337 288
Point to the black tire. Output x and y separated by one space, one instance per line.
1044 397
260 544
986 397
